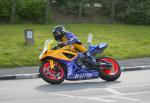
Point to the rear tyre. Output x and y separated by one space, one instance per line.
109 73
54 75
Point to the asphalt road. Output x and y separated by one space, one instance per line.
132 87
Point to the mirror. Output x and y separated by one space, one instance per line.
89 38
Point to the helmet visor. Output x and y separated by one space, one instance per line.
57 35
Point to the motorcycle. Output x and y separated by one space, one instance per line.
66 63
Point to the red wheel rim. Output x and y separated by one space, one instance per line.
51 73
113 70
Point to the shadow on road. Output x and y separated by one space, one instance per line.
74 86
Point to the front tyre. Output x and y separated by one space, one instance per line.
54 75
111 73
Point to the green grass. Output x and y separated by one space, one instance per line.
125 41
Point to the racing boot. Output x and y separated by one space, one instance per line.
91 59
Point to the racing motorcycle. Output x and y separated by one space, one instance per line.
65 63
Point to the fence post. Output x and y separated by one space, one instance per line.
13 10
80 9
47 12
113 12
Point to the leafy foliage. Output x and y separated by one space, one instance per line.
5 10
33 12
129 11
25 10
134 11
77 7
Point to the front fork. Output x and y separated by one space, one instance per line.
51 62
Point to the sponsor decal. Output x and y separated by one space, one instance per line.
81 76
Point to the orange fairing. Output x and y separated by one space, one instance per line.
60 54
66 53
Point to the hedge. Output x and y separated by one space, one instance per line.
38 11
129 11
23 11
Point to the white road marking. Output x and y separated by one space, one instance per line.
113 91
135 93
127 98
117 87
102 98
126 94
86 98
119 93
116 93
147 66
136 85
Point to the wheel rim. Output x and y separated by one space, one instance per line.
55 73
112 70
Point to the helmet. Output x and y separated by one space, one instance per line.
59 32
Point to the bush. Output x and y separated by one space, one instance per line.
135 11
5 10
129 11
107 5
77 7
25 11
32 12
70 7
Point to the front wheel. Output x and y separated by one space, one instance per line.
109 73
54 75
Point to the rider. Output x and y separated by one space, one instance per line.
67 38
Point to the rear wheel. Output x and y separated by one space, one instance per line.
111 73
54 75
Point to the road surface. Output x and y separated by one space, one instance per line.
131 87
